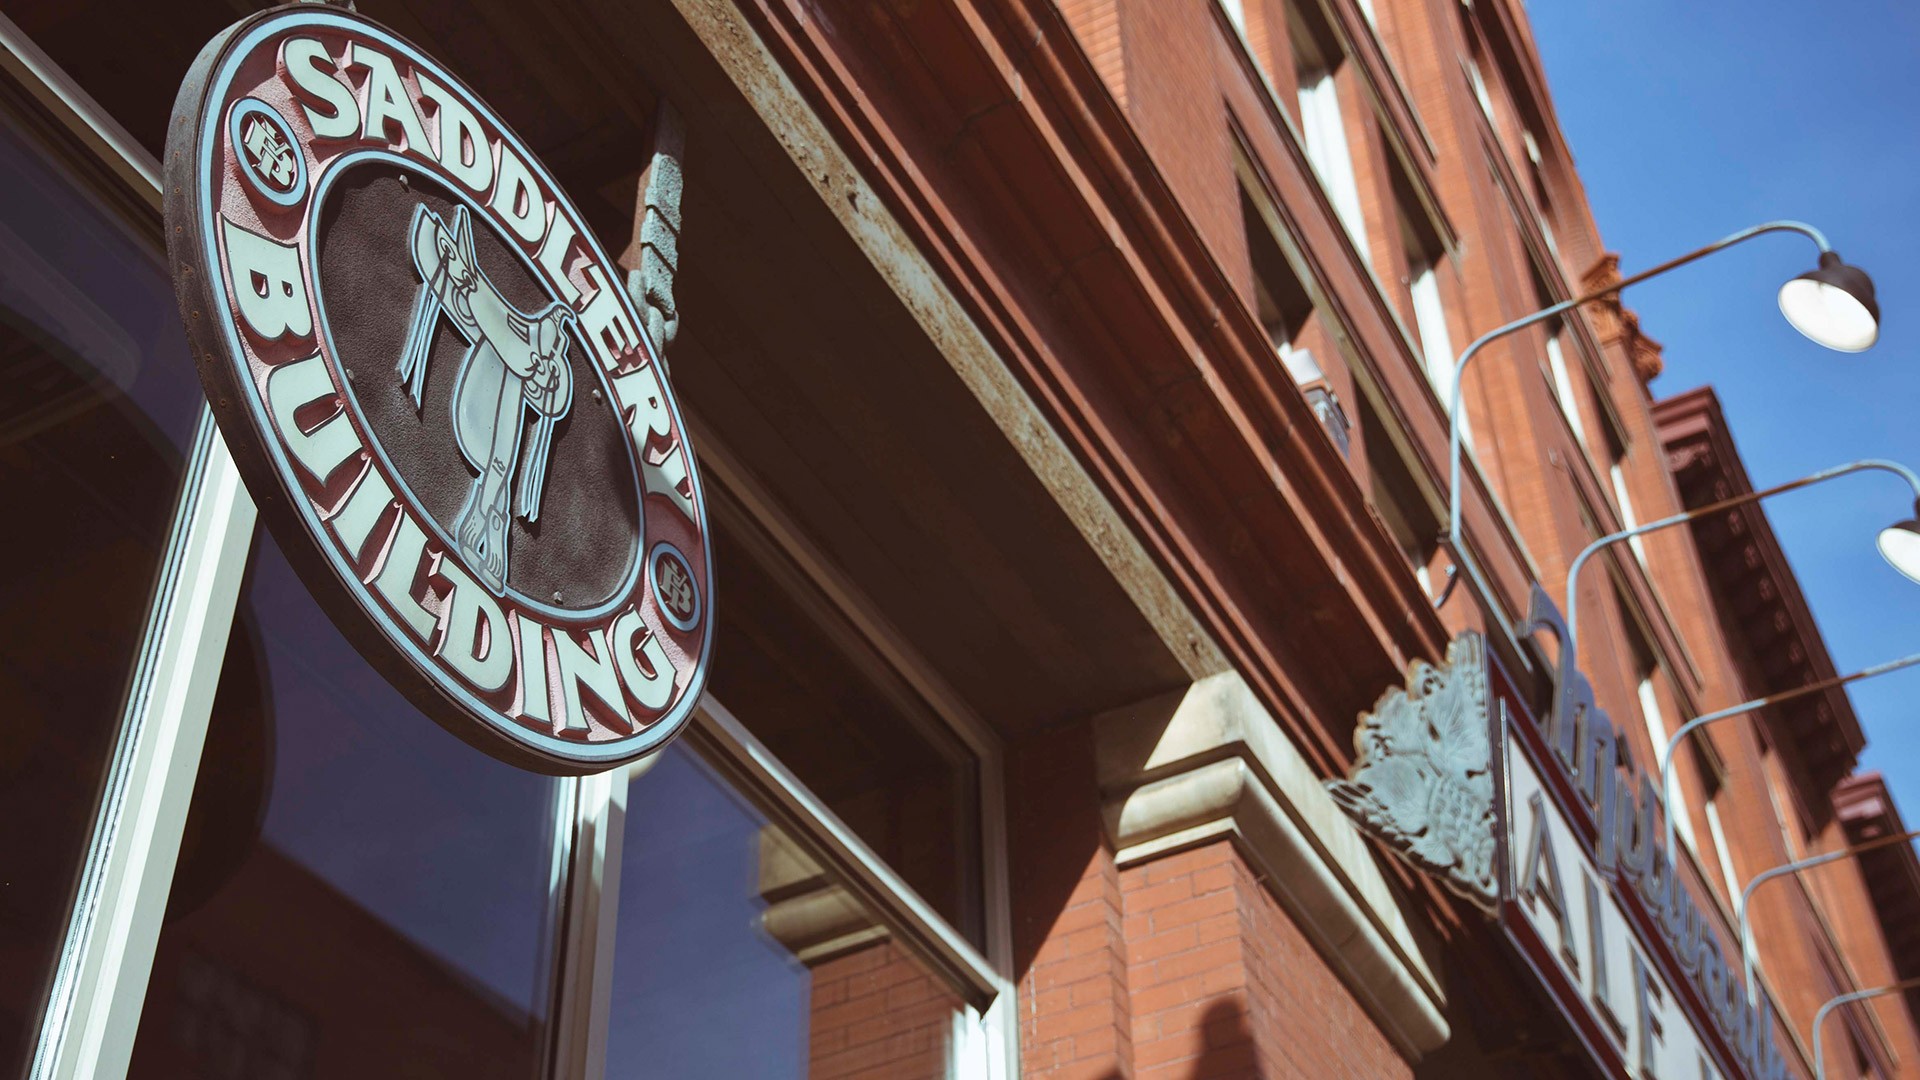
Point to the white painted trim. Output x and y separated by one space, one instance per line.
101 984
590 836
1208 763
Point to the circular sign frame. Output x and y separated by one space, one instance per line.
438 391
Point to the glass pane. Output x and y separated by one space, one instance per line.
98 402
736 956
846 726
359 894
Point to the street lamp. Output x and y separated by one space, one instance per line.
1832 305
1899 543
1743 907
1903 552
1820 1066
1672 749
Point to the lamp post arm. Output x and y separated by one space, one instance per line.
1460 363
1819 1017
1743 907
1672 748
1572 606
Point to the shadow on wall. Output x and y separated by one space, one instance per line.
1220 1048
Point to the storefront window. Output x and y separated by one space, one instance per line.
358 893
98 403
844 725
735 955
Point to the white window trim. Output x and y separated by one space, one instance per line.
1323 133
100 984
1719 835
1618 475
1430 323
1563 387
1657 731
100 978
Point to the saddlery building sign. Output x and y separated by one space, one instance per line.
439 391
1550 826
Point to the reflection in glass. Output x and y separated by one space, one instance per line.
359 894
98 402
814 694
735 955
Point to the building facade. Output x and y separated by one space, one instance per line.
1070 387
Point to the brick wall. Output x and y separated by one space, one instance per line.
1225 985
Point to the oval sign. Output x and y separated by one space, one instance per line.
438 391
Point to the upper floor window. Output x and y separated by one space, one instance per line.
1317 60
1622 497
1426 255
1286 312
1645 669
1562 381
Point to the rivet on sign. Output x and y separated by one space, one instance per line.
403 180
596 393
349 372
556 596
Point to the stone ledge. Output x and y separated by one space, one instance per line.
1208 763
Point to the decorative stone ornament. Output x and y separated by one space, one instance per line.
1423 780
442 398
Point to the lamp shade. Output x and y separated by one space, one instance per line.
1900 545
1833 305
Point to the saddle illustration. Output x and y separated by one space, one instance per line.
514 376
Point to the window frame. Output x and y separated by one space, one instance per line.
92 1016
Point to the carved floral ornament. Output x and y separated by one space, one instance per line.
1422 782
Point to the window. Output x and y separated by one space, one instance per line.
1237 13
1478 79
1286 312
352 889
1646 667
1622 498
727 925
1426 256
1716 789
1408 517
1543 202
1562 380
356 887
100 416
1317 61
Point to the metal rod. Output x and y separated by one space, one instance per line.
1819 1065
1580 560
1688 728
1743 907
1460 364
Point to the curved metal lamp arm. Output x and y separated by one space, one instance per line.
1672 749
1819 1017
1460 364
1743 908
1579 561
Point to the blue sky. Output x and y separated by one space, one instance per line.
1691 120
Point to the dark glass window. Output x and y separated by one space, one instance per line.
735 955
98 402
359 894
801 680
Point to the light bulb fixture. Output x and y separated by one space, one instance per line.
1833 306
1900 545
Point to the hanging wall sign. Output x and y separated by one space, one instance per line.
438 391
